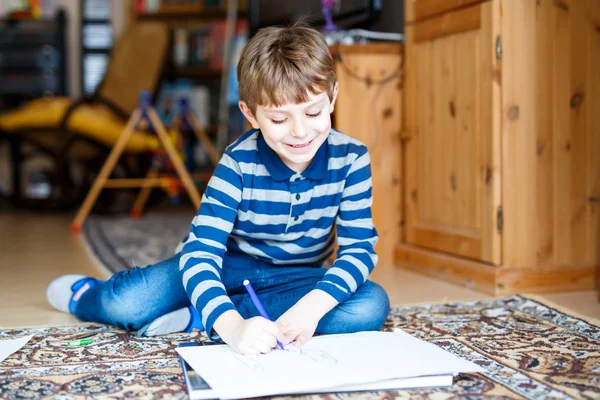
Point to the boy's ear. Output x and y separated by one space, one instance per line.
336 90
248 114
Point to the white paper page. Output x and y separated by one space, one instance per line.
324 362
394 384
10 346
402 383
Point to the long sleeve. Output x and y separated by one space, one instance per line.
202 254
356 234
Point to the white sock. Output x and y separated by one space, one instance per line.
59 291
175 321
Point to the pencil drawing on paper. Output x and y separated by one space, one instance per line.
250 362
319 356
256 363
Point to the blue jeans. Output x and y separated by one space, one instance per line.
132 299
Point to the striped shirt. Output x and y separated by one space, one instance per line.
255 205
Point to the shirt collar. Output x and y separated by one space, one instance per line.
280 172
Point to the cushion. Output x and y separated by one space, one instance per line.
94 121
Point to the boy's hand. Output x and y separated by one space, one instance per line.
298 324
248 336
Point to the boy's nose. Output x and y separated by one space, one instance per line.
300 130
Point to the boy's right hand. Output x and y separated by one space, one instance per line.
247 336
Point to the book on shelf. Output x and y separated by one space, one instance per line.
199 46
202 46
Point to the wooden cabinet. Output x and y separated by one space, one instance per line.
502 173
368 108
453 155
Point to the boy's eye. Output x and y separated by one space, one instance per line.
314 115
278 121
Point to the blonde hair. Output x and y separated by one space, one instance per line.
280 65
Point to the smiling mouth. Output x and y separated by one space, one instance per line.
300 146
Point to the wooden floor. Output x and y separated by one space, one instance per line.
37 247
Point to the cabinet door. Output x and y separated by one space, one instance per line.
453 181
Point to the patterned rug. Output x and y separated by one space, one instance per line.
529 350
120 243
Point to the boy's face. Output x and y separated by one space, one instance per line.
295 131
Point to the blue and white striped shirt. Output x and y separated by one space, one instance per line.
254 204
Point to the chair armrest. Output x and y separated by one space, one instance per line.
72 107
113 107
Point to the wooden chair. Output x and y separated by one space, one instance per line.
87 129
144 113
184 121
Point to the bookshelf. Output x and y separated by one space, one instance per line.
197 62
32 58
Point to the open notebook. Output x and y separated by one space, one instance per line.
198 389
326 364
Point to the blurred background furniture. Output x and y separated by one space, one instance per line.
33 65
143 114
79 134
207 37
32 59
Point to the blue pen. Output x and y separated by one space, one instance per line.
258 305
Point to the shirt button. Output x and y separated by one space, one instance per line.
296 218
297 197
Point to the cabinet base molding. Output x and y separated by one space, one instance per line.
497 280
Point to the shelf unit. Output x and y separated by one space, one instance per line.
199 61
207 15
32 59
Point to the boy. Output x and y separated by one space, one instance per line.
268 216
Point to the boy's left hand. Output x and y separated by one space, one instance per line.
298 324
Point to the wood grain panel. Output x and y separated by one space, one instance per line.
497 281
474 275
518 131
370 111
449 242
489 181
594 148
441 144
464 176
417 66
416 10
415 95
538 157
562 136
452 171
371 48
580 108
545 201
545 278
574 71
462 20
